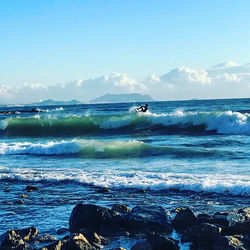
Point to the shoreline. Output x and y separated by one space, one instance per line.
139 227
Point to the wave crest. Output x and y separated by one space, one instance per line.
228 122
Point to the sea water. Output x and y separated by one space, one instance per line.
184 153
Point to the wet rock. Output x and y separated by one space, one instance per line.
203 234
91 217
234 223
162 242
62 231
92 236
147 219
228 243
7 202
6 190
103 190
45 238
78 241
120 208
142 191
12 240
32 188
205 218
245 210
27 234
184 218
141 245
73 242
19 202
58 245
178 209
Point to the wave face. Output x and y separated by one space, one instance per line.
227 122
104 149
235 185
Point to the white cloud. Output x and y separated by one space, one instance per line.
224 80
184 75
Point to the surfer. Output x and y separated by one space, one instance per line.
142 108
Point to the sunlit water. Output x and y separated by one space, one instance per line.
193 153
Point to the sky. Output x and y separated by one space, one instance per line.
49 46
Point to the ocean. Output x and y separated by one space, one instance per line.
183 153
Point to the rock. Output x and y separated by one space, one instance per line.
91 217
19 202
62 231
142 245
120 208
184 218
45 238
58 245
92 236
28 234
32 188
7 203
178 209
148 218
162 242
228 243
6 190
234 223
205 218
203 234
73 242
245 210
12 240
103 190
79 241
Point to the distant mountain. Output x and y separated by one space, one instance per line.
51 102
123 98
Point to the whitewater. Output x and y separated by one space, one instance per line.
193 153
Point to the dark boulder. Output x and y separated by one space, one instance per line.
62 230
73 242
12 240
91 217
184 218
162 242
147 219
203 234
32 188
120 208
245 211
28 234
230 243
234 223
46 238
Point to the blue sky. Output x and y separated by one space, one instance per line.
54 41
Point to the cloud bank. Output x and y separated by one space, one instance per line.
224 80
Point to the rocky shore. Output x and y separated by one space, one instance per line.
151 227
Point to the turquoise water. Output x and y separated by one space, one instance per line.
193 153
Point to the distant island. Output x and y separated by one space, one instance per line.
123 98
51 102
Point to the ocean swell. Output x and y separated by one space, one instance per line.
228 122
105 149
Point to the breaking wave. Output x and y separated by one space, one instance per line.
208 183
104 149
228 122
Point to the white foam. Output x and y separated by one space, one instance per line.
49 148
212 183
